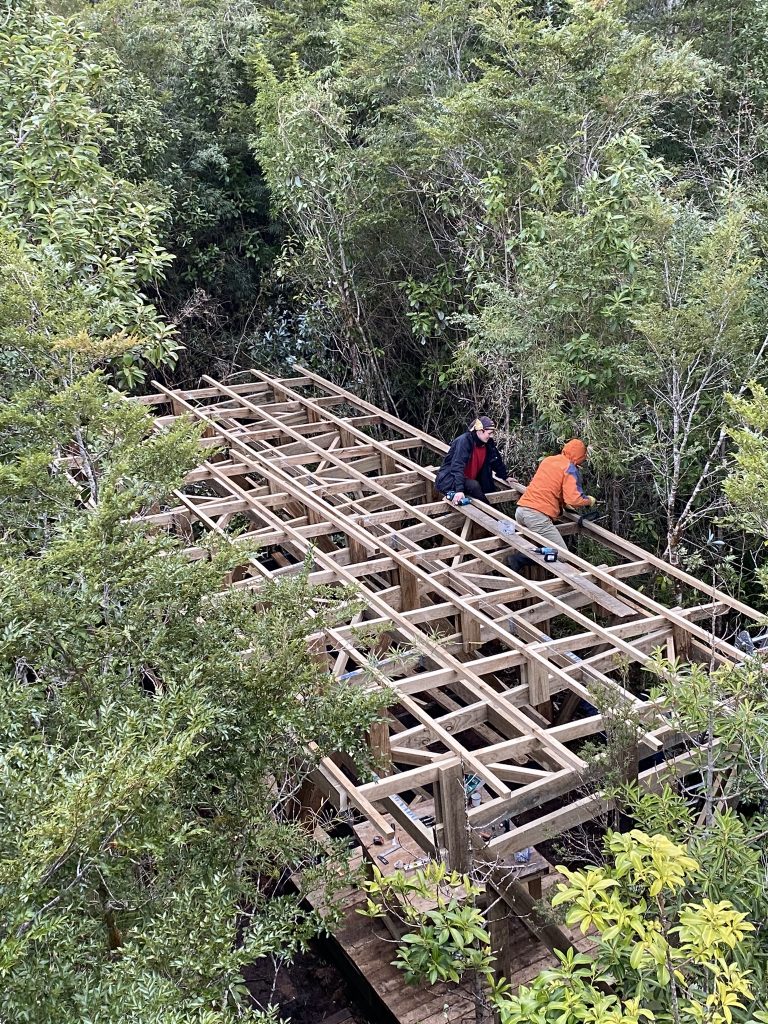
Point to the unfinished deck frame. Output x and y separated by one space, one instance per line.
480 686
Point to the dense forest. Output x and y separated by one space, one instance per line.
554 212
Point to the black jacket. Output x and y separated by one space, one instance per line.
450 476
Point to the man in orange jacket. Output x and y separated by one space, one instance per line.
556 483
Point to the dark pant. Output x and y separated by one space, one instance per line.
472 489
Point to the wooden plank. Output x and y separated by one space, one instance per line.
561 753
532 794
400 783
550 825
634 655
560 568
632 550
356 798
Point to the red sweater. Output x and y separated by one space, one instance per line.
476 462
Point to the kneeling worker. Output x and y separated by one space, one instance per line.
470 463
556 483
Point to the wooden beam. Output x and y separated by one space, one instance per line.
277 436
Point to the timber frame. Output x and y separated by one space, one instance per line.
482 694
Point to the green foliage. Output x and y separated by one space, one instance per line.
333 195
300 33
495 191
747 485
84 224
661 955
556 211
728 850
631 316
665 951
727 706
438 119
156 728
180 110
724 712
443 942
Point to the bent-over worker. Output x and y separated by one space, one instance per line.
470 463
556 484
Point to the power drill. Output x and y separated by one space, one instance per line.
452 494
548 554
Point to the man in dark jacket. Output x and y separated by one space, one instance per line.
470 463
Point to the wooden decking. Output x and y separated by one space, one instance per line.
370 948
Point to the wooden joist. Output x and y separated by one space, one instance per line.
325 477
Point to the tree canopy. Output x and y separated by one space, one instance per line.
156 725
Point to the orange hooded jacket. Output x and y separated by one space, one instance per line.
557 482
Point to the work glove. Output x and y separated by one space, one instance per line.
592 501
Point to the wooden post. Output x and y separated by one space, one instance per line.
681 638
499 918
537 678
470 633
378 740
524 906
357 552
534 888
630 763
182 527
453 812
310 800
240 572
409 590
568 708
387 464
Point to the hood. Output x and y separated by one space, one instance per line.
575 450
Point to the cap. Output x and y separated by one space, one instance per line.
482 423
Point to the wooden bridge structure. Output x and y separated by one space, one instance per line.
494 678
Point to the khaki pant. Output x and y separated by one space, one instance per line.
540 524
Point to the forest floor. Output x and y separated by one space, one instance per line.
312 990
